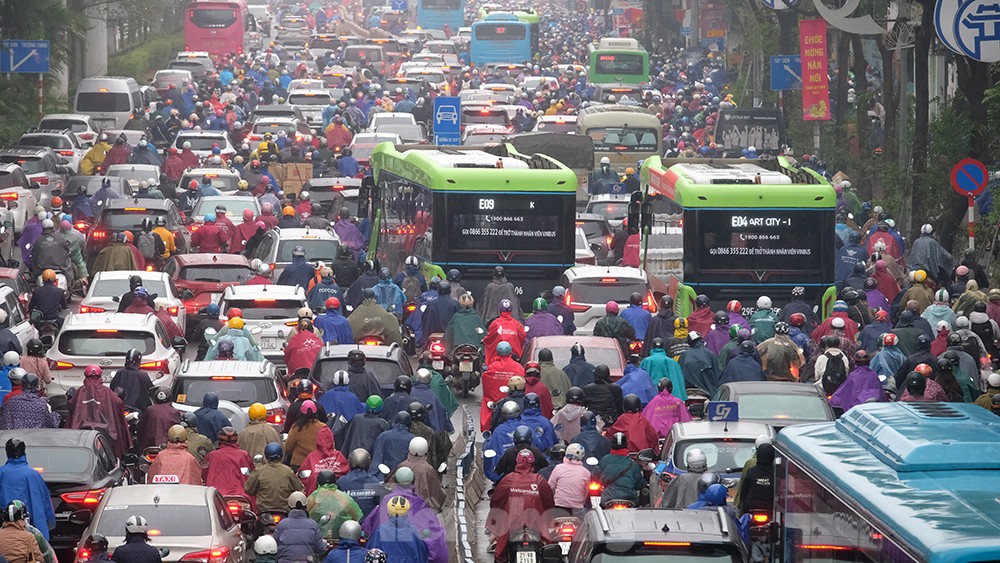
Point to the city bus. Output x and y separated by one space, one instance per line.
913 482
617 60
436 14
487 209
500 39
530 17
749 228
624 134
217 26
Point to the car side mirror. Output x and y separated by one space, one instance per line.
645 455
838 411
595 247
187 294
130 459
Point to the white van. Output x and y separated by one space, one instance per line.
108 100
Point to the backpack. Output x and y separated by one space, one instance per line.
835 373
146 243
411 287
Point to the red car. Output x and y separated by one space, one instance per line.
596 349
201 278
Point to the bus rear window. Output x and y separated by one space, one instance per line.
618 63
103 102
609 139
213 17
500 32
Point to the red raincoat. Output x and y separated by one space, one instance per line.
190 159
209 239
826 327
95 406
497 374
224 469
174 167
520 499
700 320
535 385
326 457
886 283
270 221
241 234
640 433
302 350
176 460
504 328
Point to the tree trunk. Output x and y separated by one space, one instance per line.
890 100
843 70
860 67
921 122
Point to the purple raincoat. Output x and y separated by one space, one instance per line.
422 518
738 319
349 234
30 233
542 323
717 338
861 386
876 300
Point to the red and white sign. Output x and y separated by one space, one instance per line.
166 479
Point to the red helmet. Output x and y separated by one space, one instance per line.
193 185
532 366
93 371
735 306
797 319
924 370
235 312
332 303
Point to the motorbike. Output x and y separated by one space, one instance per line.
635 346
267 521
466 368
61 281
407 331
435 345
563 530
525 545
760 535
47 328
696 402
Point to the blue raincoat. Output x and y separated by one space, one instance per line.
19 481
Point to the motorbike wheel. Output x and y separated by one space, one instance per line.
465 388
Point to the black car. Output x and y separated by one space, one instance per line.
78 466
126 214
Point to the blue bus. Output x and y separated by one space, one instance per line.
891 482
435 14
500 39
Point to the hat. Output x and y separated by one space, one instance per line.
840 307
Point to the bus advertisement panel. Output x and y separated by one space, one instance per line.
216 26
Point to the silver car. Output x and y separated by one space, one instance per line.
238 384
271 308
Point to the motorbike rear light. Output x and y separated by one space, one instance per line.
158 365
149 268
620 506
411 307
594 487
60 365
760 518
607 240
173 311
566 532
80 226
83 555
86 499
101 235
234 507
635 346
276 416
213 555
9 196
194 228
84 309
437 348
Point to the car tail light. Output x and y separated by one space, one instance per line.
650 304
575 307
150 268
86 499
9 196
213 555
158 365
42 180
173 311
60 365
666 544
234 507
276 416
222 378
292 323
66 153
86 136
84 309
101 235
635 346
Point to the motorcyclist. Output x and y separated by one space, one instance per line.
591 438
210 238
410 281
454 278
438 312
49 300
339 398
94 406
562 311
126 299
51 251
569 480
665 409
302 349
465 326
244 346
362 486
505 328
327 499
156 420
439 443
700 320
349 234
620 474
541 427
198 444
210 420
391 446
271 483
757 486
637 316
389 295
362 431
421 516
719 335
633 423
372 319
175 464
661 325
27 409
541 322
299 272
495 292
421 391
94 157
400 540
298 536
554 378
265 550
349 548
323 291
254 438
15 373
426 481
699 366
133 381
22 482
136 548
520 499
613 326
744 366
604 397
566 421
496 375
682 491
96 545
228 466
579 370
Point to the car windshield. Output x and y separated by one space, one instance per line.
441 48
691 554
165 519
558 126
610 209
93 183
383 120
244 391
129 218
309 99
29 165
56 123
105 342
87 102
602 292
723 454
594 228
133 173
234 207
57 459
791 407
165 79
385 370
486 116
431 77
215 273
50 141
199 142
266 309
262 127
316 249
610 356
118 287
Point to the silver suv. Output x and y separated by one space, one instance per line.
42 167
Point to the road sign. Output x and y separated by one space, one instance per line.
969 177
719 411
400 5
447 115
24 56
786 72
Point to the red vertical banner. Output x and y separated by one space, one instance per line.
815 80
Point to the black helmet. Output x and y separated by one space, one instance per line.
619 441
708 479
635 298
575 396
35 347
721 318
96 542
702 301
15 448
781 327
923 342
189 420
747 346
944 364
830 341
531 401
356 358
133 358
588 421
367 293
134 282
433 284
161 395
915 383
417 411
602 373
454 275
326 477
273 452
862 358
657 343
665 383
954 339
359 459
444 288
576 350
226 348
522 435
403 383
666 303
850 295
632 403
30 383
498 272
557 452
384 273
545 355
402 417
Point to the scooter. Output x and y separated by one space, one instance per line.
466 368
525 545
435 345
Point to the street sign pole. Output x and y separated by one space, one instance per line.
970 178
41 96
972 224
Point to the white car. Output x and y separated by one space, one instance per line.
555 124
63 142
271 308
203 141
134 173
17 198
80 124
225 180
484 134
106 289
18 318
589 288
234 207
104 339
278 244
384 118
237 383
311 102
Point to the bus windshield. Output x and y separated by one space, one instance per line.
607 139
619 63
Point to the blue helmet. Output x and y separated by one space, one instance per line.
716 495
212 310
504 349
210 217
272 451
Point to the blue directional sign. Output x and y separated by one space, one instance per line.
400 5
786 72
719 411
24 56
447 116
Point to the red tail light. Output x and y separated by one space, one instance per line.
276 416
607 240
173 311
9 196
595 487
760 518
80 226
575 306
43 181
372 342
84 309
635 346
83 555
566 532
86 136
213 555
100 235
437 348
149 268
411 307
83 499
66 153
650 304
159 365
60 365
234 507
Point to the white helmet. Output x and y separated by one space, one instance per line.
297 500
11 358
3 316
412 261
605 160
764 302
265 545
696 460
761 440
418 446
136 525
341 377
576 451
255 264
926 229
993 380
264 268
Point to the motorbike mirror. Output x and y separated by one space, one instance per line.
305 473
164 552
247 516
180 342
645 455
592 461
443 467
489 454
210 332
504 389
130 459
383 469
256 330
259 458
245 470
486 435
284 436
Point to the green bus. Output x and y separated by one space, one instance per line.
747 228
487 209
617 60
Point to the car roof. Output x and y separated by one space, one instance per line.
48 133
192 133
126 321
202 170
585 272
26 151
78 116
262 368
773 388
126 274
55 436
123 202
255 291
705 428
339 351
206 258
648 524
193 495
301 233
591 217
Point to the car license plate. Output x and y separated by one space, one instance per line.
107 375
465 366
438 364
268 343
525 557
